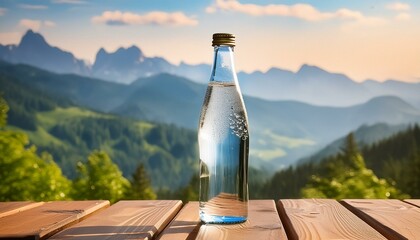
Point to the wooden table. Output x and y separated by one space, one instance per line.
170 220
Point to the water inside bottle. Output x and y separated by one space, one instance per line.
223 140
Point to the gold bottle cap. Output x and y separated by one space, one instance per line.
223 39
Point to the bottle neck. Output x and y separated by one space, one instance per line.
223 65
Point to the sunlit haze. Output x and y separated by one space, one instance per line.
362 39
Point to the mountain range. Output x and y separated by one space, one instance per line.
281 131
35 51
364 136
314 85
70 133
309 84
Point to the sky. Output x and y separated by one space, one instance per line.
364 39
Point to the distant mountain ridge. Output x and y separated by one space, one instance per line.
34 50
71 132
364 135
314 85
282 131
127 64
309 84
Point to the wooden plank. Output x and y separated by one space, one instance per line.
9 208
393 218
45 220
185 225
263 223
322 219
125 219
415 202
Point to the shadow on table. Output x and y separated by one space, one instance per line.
190 228
104 232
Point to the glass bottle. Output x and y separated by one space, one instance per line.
223 141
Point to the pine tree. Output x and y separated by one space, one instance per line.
349 178
4 108
190 192
413 173
140 185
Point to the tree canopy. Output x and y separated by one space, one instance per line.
348 177
100 178
24 174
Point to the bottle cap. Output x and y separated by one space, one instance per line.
223 39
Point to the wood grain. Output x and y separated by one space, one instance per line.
393 218
43 221
125 219
9 208
185 225
415 202
322 219
263 223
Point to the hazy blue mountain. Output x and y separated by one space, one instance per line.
164 98
34 50
316 86
198 73
281 131
408 91
127 64
364 135
309 84
84 91
271 84
6 52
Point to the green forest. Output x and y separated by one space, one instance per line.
70 133
53 149
387 169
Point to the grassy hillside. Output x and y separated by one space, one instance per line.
70 133
281 131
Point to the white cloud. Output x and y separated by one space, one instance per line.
403 17
358 19
33 7
69 1
401 9
157 18
49 23
35 24
398 6
301 11
31 24
3 11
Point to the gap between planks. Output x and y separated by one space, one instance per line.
322 219
184 226
46 219
263 223
393 218
135 219
414 202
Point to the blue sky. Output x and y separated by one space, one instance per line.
362 38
